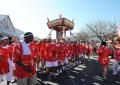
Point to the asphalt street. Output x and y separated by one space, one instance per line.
85 73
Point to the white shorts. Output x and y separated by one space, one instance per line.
66 61
1 77
51 63
48 64
55 63
7 77
11 64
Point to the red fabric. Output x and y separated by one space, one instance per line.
50 52
61 52
67 50
28 60
117 55
77 51
42 51
71 49
89 50
4 55
11 50
82 48
34 49
117 51
74 50
103 53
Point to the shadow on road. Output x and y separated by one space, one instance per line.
86 73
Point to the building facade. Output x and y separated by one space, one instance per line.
7 28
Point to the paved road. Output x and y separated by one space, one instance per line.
86 73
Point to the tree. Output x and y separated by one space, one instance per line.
81 36
102 29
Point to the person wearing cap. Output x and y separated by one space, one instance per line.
4 56
24 61
103 53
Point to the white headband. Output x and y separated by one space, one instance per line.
28 35
4 38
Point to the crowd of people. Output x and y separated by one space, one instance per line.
104 52
20 60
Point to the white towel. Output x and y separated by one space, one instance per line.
11 64
26 49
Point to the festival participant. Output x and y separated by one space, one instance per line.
12 44
74 52
103 53
67 54
24 61
4 56
82 51
35 52
50 56
78 53
42 51
60 55
116 55
46 55
89 50
10 60
55 57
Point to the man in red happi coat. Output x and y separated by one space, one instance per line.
116 46
103 52
4 56
24 61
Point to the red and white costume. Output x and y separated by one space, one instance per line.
89 50
117 54
4 65
103 53
82 49
61 53
116 58
50 55
26 55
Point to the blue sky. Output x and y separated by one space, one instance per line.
31 15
